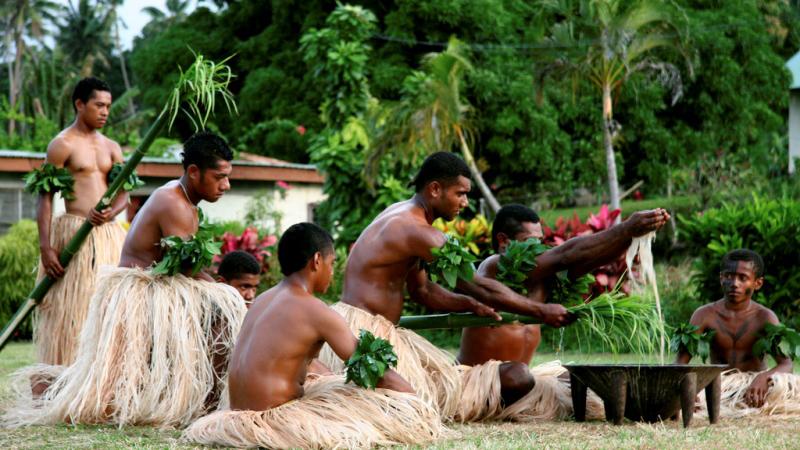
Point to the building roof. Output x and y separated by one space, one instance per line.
794 67
266 169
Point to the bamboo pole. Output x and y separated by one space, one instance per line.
202 81
461 320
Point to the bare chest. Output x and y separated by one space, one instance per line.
89 157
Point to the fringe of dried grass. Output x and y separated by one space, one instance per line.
330 414
783 397
430 370
60 316
144 356
550 398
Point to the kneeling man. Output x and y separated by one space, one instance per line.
738 323
275 402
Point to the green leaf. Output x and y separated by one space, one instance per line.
50 179
369 361
451 262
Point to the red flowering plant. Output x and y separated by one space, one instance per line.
607 276
249 241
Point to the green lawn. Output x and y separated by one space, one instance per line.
549 216
741 433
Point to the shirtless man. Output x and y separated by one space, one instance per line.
265 376
274 402
516 344
155 347
242 271
89 156
738 322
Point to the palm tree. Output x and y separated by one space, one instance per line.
433 116
117 21
24 18
605 42
85 34
176 11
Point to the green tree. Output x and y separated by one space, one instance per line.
85 34
605 42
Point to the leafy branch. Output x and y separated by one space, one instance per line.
517 262
686 338
50 179
192 255
451 262
369 362
131 182
778 340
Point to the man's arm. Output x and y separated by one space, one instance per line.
119 203
337 335
427 293
582 254
757 391
57 155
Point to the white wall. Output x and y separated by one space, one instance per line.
794 128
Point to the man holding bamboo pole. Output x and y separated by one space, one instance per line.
155 345
81 157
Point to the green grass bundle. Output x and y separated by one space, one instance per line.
451 262
50 179
369 362
686 338
517 262
778 340
190 255
131 182
617 323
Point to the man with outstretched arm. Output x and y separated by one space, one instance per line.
275 401
88 156
515 344
155 345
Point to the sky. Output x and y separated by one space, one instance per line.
131 13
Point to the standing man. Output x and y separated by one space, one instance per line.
88 156
155 345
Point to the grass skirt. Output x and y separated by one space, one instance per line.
144 355
463 393
59 317
330 414
783 396
549 399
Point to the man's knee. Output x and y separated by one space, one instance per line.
515 381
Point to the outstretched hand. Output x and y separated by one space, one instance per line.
643 222
482 310
556 315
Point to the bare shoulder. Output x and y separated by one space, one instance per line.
766 315
59 148
488 267
112 147
702 314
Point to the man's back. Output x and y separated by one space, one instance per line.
382 257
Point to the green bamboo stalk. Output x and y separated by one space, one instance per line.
202 81
461 320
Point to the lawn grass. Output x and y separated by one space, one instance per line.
729 433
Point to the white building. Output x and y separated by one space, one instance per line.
253 177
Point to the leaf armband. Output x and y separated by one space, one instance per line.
517 262
451 262
687 338
369 362
778 340
50 179
131 182
192 255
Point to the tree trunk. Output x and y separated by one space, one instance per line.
125 80
15 83
494 205
611 163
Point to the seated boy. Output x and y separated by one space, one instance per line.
738 322
242 271
274 402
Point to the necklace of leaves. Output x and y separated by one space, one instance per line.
778 340
369 361
450 262
50 179
686 338
192 255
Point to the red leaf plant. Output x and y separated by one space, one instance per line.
250 242
607 276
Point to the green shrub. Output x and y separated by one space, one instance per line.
770 227
19 256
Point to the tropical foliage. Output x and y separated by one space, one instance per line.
369 362
688 338
19 254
